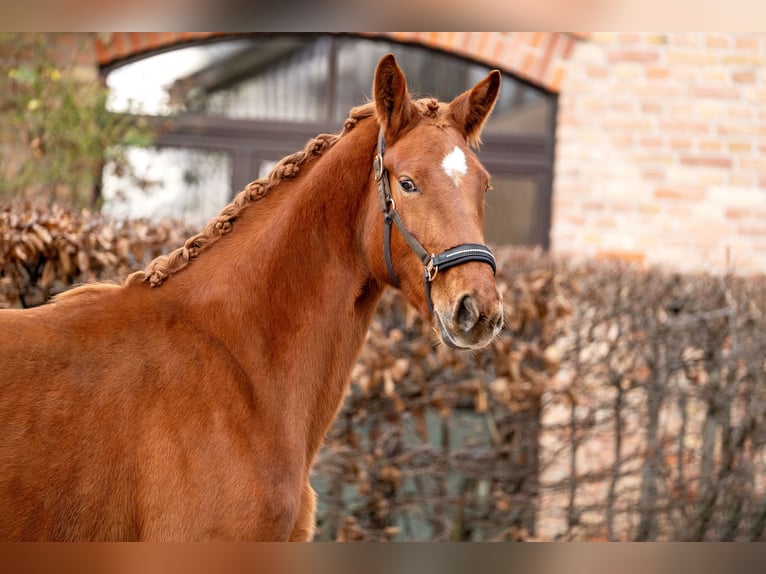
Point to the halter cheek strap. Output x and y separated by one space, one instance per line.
432 264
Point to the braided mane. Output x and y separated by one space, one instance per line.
288 167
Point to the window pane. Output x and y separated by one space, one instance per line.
145 86
284 79
429 74
510 213
520 108
179 183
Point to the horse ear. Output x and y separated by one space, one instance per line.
472 108
393 106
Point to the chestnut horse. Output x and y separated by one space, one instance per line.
189 402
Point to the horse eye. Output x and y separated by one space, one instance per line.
408 185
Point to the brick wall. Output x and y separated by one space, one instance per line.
660 150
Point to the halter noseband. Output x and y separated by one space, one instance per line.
458 255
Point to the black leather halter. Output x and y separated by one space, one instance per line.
432 264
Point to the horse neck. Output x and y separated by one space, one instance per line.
288 292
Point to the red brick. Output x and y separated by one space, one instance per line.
743 77
741 111
526 66
152 40
710 146
651 142
569 45
566 118
719 93
638 56
653 174
462 41
750 44
103 53
626 123
756 163
556 79
622 141
707 161
119 49
501 44
483 39
741 179
136 44
742 129
656 90
651 108
716 41
652 208
624 107
740 147
685 39
574 220
513 56
682 126
628 38
676 193
692 58
552 40
752 229
680 144
595 105
743 59
732 213
168 37
652 157
655 73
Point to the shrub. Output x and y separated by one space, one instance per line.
55 131
618 404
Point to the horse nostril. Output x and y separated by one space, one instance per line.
466 313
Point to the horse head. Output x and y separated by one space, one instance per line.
431 189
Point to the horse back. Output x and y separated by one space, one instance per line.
108 419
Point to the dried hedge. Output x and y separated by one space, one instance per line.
618 403
44 250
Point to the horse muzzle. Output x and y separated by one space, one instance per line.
472 321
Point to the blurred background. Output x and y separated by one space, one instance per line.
624 399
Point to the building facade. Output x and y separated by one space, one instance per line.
656 149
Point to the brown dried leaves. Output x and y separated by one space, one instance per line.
44 250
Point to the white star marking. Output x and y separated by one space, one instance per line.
454 165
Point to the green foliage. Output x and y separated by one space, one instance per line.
55 131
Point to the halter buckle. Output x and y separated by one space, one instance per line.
377 166
431 270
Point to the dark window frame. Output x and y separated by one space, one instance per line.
508 154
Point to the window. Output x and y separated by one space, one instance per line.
246 102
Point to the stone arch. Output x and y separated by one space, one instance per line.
537 57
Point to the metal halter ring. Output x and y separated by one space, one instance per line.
377 165
431 270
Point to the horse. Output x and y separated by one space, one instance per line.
188 402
